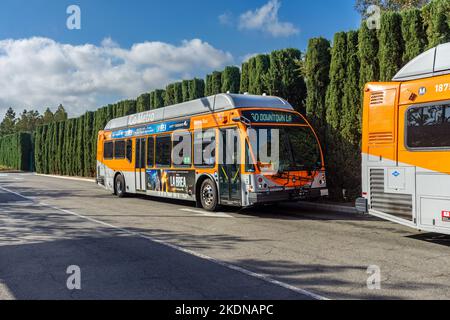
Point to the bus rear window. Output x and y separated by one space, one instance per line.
428 127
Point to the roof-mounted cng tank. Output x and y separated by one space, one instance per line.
433 62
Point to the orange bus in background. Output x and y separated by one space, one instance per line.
406 145
135 154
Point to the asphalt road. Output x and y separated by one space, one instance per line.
143 248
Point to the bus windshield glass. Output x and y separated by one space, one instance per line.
297 146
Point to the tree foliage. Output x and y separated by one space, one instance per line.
317 74
391 45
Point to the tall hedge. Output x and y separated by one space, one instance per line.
368 46
284 77
414 36
334 101
391 45
231 78
436 16
351 128
16 151
317 74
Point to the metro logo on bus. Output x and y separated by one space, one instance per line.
446 216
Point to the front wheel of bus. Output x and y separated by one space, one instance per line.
120 186
208 195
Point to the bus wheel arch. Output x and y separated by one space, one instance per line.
120 186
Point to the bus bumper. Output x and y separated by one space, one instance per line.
286 195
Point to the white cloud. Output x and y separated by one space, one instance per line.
226 18
40 72
266 19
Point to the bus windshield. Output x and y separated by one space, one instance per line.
298 148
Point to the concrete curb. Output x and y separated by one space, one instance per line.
326 207
66 177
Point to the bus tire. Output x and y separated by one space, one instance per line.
119 186
208 195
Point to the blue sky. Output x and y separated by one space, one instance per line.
226 32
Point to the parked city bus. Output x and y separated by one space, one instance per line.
406 145
221 166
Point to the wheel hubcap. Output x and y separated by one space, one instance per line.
119 187
208 195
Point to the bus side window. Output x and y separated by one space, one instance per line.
108 150
182 150
129 152
119 149
205 148
151 152
164 148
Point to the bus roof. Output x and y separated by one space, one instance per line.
216 103
433 62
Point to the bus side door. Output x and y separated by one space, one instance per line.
140 152
229 168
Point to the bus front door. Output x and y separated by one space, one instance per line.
229 168
139 172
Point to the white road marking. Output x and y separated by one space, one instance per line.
263 277
65 177
208 214
3 174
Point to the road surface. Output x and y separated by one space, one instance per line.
144 248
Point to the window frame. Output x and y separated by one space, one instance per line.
154 152
112 150
170 153
124 150
422 105
182 166
206 166
129 143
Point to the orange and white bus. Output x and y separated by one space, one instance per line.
219 162
406 145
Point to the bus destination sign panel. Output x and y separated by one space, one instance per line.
267 116
151 129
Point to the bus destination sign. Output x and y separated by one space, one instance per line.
266 116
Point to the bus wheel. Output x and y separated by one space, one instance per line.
119 186
208 195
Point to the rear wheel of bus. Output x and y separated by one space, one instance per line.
208 195
119 186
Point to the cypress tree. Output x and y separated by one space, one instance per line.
80 149
60 147
317 73
215 85
351 121
284 77
414 36
231 78
185 90
258 68
158 99
436 16
244 78
334 100
368 55
391 45
335 90
143 102
196 89
89 156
